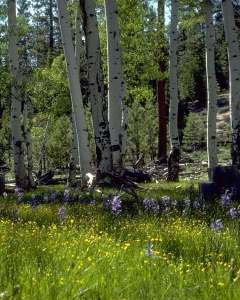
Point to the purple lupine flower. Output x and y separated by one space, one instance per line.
151 205
20 195
17 190
66 195
116 205
52 196
62 213
226 198
93 202
165 201
45 198
33 202
187 203
233 213
196 204
174 204
217 225
149 250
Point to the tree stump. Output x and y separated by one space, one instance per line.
222 178
208 191
225 177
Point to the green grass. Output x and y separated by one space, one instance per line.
94 255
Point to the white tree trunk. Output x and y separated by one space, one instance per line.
124 128
28 142
75 89
80 51
173 85
16 105
43 147
96 87
211 86
116 84
74 155
234 77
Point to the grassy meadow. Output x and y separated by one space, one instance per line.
93 254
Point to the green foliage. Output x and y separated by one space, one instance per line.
58 143
195 132
49 90
142 131
191 69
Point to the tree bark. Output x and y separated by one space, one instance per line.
2 156
161 86
96 87
116 84
211 86
79 44
74 155
75 89
234 77
79 53
124 128
28 142
16 105
174 157
43 148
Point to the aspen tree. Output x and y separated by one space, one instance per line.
234 77
116 84
174 157
75 89
16 105
96 87
211 86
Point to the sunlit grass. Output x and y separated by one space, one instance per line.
94 255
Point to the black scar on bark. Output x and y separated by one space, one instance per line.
99 155
18 144
115 148
236 148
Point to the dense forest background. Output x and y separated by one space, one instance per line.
46 87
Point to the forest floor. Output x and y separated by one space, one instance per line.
81 251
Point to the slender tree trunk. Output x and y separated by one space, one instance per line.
79 44
28 142
161 86
124 128
174 157
96 87
116 84
234 77
74 144
16 106
75 89
51 37
211 86
74 155
2 151
43 147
